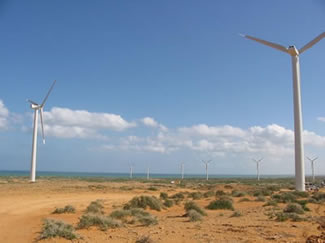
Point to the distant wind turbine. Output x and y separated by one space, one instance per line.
131 170
148 172
182 170
312 166
257 161
36 107
206 163
299 149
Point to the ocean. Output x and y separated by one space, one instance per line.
17 173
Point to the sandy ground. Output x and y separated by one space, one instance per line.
24 206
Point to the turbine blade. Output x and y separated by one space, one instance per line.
42 124
311 43
267 43
48 93
32 102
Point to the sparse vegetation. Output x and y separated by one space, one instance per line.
95 207
57 228
153 188
220 193
66 209
147 220
260 198
236 214
190 205
103 222
209 194
194 215
168 203
163 196
144 202
195 195
236 193
293 208
144 239
245 199
220 204
270 203
286 216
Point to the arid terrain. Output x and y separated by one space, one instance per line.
260 214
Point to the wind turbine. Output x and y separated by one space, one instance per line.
312 166
131 170
36 107
182 170
257 161
148 173
206 163
299 149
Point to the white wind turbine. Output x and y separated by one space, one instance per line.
258 161
299 149
131 170
36 107
148 172
182 170
312 167
206 163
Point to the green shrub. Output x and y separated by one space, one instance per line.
179 195
168 203
139 211
195 195
293 208
260 199
262 192
220 204
236 193
245 199
209 194
194 215
303 204
271 203
300 194
193 206
228 187
220 193
153 188
144 239
103 222
66 209
286 197
286 216
163 195
236 214
147 220
319 196
120 214
144 202
57 228
95 207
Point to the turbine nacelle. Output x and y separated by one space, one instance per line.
34 106
292 50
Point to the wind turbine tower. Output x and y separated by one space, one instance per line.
148 173
36 107
257 161
312 161
131 171
299 149
182 170
206 163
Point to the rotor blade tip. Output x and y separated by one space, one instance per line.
242 35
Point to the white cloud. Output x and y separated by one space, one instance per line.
67 123
272 140
322 119
150 122
4 115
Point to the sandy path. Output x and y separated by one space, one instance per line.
21 215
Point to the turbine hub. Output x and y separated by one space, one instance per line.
292 50
33 106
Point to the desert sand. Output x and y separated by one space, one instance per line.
24 206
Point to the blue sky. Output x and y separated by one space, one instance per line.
159 82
